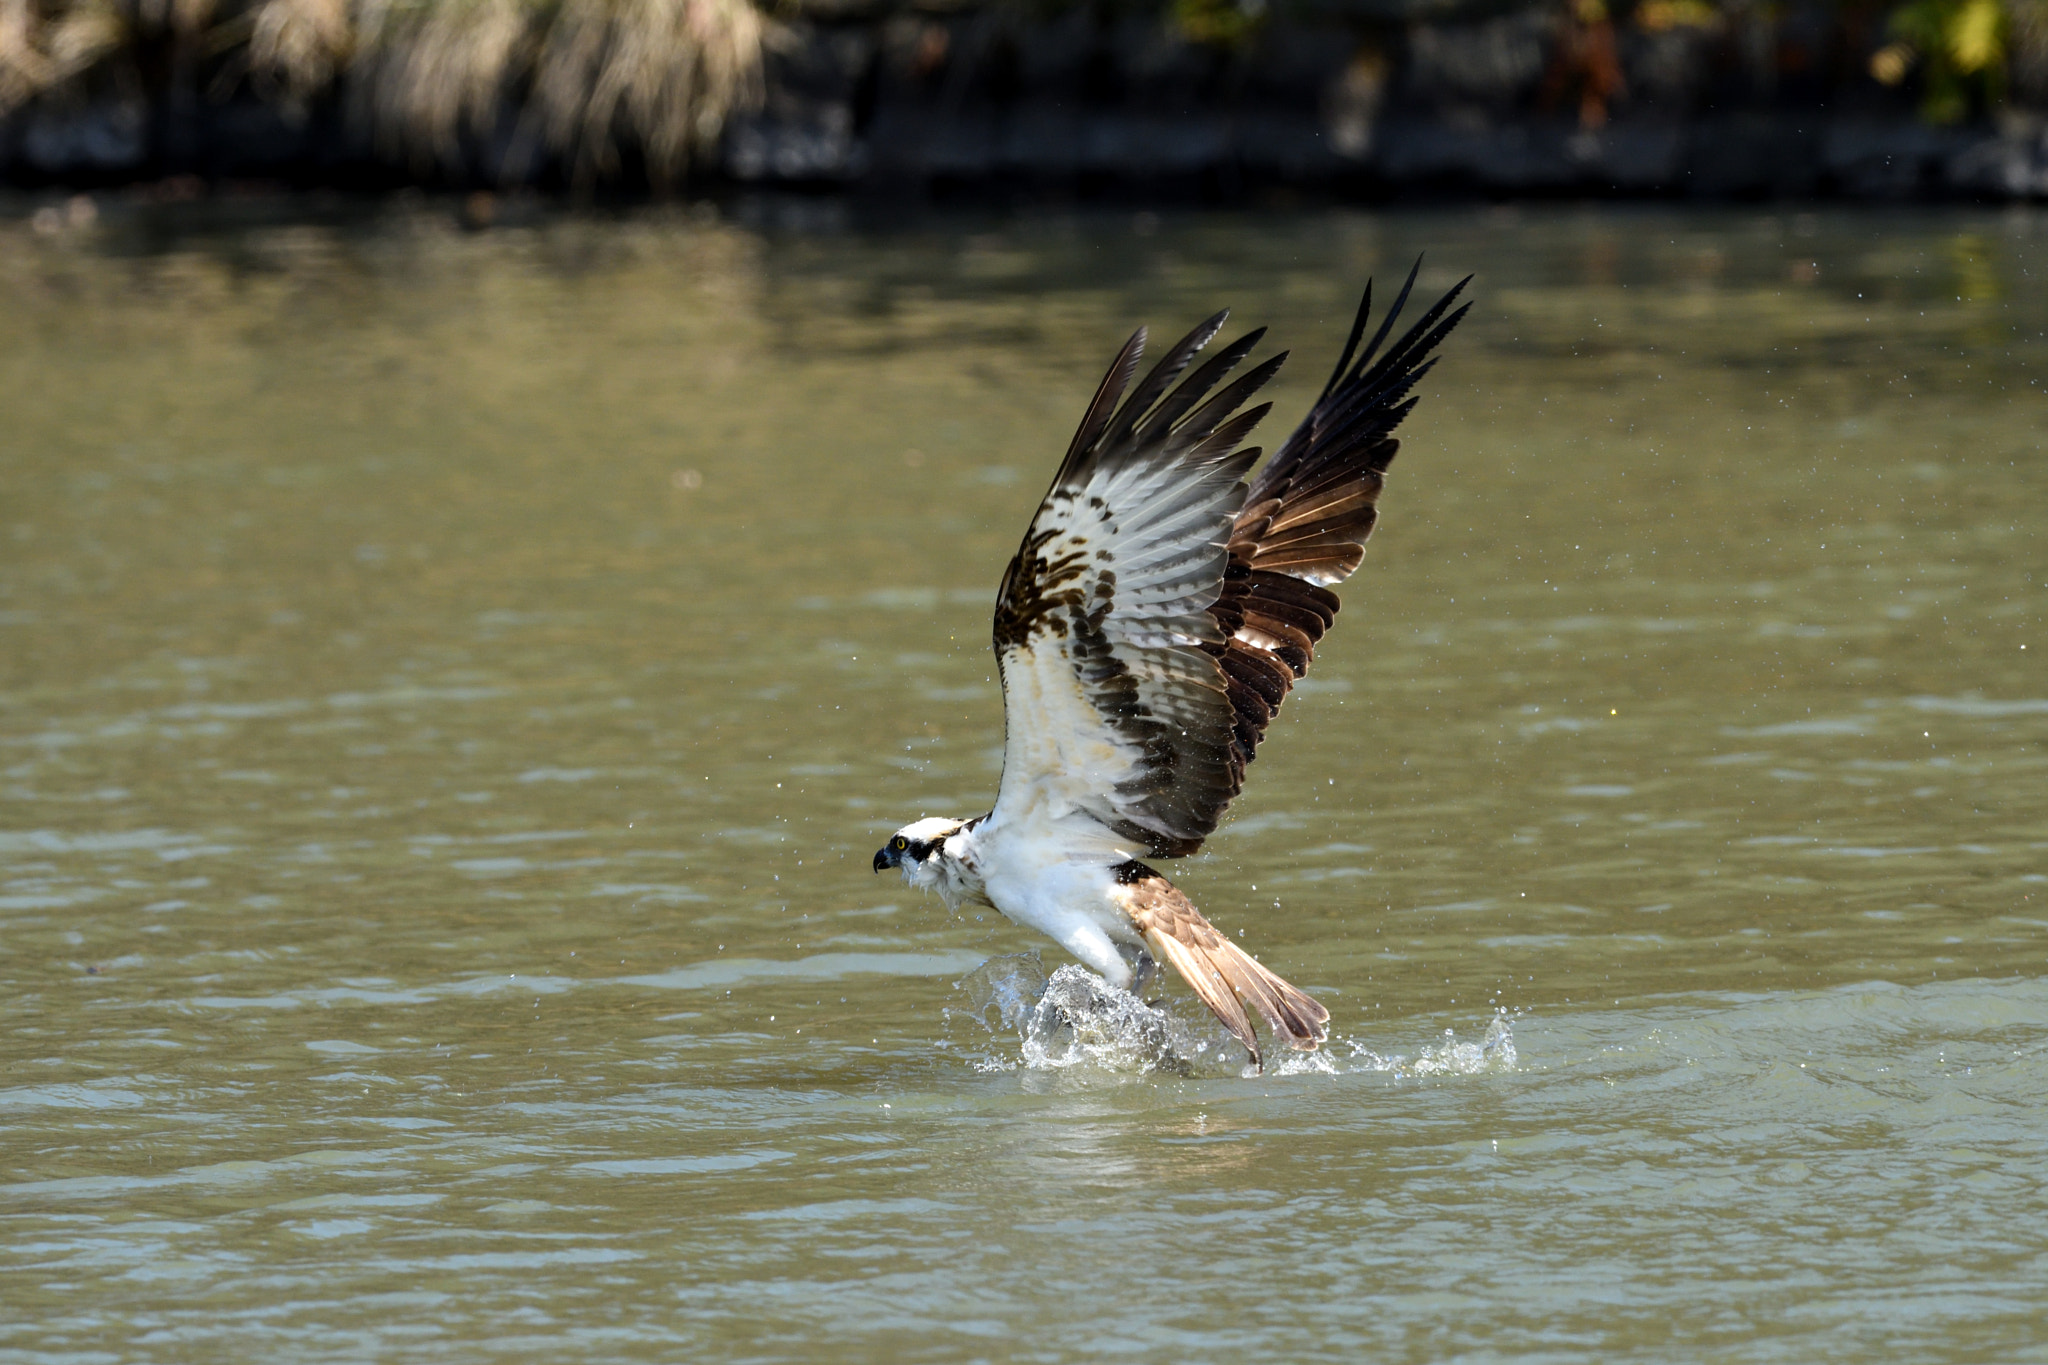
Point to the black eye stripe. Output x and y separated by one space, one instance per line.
919 850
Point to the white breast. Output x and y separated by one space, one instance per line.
1057 880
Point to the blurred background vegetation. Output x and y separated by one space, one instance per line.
583 75
597 89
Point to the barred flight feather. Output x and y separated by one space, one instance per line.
1310 510
1170 604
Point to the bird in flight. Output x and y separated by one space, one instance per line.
1147 631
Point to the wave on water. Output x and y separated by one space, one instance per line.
1495 1052
1073 1019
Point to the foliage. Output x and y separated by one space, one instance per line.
1658 15
584 75
1960 47
1219 23
584 79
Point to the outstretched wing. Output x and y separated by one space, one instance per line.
1158 611
1305 521
1114 707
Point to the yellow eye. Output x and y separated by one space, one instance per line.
899 843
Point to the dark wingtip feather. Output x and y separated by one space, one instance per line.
1103 405
1171 409
1210 415
1387 323
1176 359
1350 342
1372 398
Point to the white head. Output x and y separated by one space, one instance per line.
915 849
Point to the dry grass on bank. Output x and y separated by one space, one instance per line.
585 77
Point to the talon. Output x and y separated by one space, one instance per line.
1143 973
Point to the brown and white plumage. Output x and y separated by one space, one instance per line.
1148 630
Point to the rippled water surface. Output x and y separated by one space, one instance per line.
451 687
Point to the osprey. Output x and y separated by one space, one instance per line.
1147 631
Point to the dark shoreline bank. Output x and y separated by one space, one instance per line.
985 105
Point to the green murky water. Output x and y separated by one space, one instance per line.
451 687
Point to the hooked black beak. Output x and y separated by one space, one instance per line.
886 857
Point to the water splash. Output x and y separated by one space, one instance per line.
1316 1063
1075 1019
1006 987
1492 1054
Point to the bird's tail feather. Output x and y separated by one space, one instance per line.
1227 978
